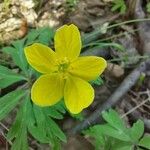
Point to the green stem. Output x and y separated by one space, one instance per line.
124 58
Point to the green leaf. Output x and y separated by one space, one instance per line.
56 111
15 127
37 122
19 45
136 131
42 35
56 130
95 132
8 77
46 35
31 36
145 142
47 129
19 129
78 116
17 53
119 4
52 112
14 54
115 133
113 119
120 145
115 7
98 81
21 142
9 101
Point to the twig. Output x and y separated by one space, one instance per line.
134 108
1 124
127 83
136 115
6 138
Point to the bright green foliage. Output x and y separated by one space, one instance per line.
30 118
145 142
115 135
71 4
119 5
19 129
56 111
47 129
9 101
8 77
41 35
37 121
98 81
16 52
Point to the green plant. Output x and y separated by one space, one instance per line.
119 5
6 4
30 119
114 135
71 4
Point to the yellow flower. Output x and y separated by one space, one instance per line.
65 74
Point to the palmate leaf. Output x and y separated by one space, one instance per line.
48 130
56 131
117 129
46 35
56 111
116 135
16 49
42 35
113 119
34 124
115 126
18 131
9 101
8 77
17 53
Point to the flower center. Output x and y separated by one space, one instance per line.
63 65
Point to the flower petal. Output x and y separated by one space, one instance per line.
68 42
40 57
88 68
78 94
47 90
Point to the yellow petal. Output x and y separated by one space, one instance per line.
41 57
78 94
68 42
47 90
88 68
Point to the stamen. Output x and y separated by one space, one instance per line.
63 65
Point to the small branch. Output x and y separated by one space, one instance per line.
134 108
1 124
136 115
127 83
